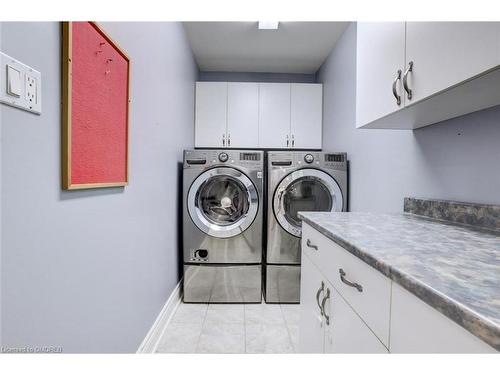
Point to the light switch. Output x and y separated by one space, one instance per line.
13 81
20 85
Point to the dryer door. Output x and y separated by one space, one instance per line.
222 202
305 190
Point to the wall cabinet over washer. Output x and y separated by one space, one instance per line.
413 74
258 115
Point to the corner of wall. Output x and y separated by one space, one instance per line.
1 273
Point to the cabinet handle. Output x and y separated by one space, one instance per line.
348 282
287 141
310 244
318 294
229 140
223 140
405 80
327 295
394 89
293 140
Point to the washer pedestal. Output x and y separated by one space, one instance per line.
229 283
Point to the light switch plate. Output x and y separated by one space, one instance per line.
29 87
13 82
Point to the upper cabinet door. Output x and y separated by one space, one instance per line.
210 114
380 56
274 115
445 54
243 115
306 115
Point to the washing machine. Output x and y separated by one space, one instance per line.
222 226
297 181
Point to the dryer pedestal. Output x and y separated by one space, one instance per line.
228 283
282 283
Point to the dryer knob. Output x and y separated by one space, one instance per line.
223 157
308 158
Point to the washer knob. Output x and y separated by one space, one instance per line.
223 157
308 158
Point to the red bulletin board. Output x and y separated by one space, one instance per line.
96 79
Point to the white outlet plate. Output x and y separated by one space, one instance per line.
31 85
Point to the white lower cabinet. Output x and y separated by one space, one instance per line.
416 327
346 332
364 311
327 323
312 288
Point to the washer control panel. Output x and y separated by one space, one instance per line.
223 157
202 159
308 158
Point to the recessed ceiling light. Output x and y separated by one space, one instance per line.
268 25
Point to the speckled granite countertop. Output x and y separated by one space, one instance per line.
454 269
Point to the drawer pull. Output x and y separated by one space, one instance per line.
348 282
327 295
310 244
317 296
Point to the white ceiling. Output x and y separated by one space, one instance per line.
296 47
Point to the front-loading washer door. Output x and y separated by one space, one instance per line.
222 202
305 190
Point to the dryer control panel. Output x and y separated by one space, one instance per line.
299 159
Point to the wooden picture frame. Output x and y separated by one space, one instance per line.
68 159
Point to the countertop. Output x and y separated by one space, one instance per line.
453 268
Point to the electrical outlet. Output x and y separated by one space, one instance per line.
20 85
30 89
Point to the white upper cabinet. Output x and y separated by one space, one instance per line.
445 54
306 117
258 115
242 115
448 69
379 63
210 114
274 115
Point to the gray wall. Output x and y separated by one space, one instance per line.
458 159
256 77
91 270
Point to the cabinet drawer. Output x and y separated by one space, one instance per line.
314 244
372 303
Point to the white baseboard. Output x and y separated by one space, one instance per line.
152 339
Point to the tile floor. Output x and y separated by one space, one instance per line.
251 328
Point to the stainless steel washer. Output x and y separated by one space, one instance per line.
297 181
222 226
